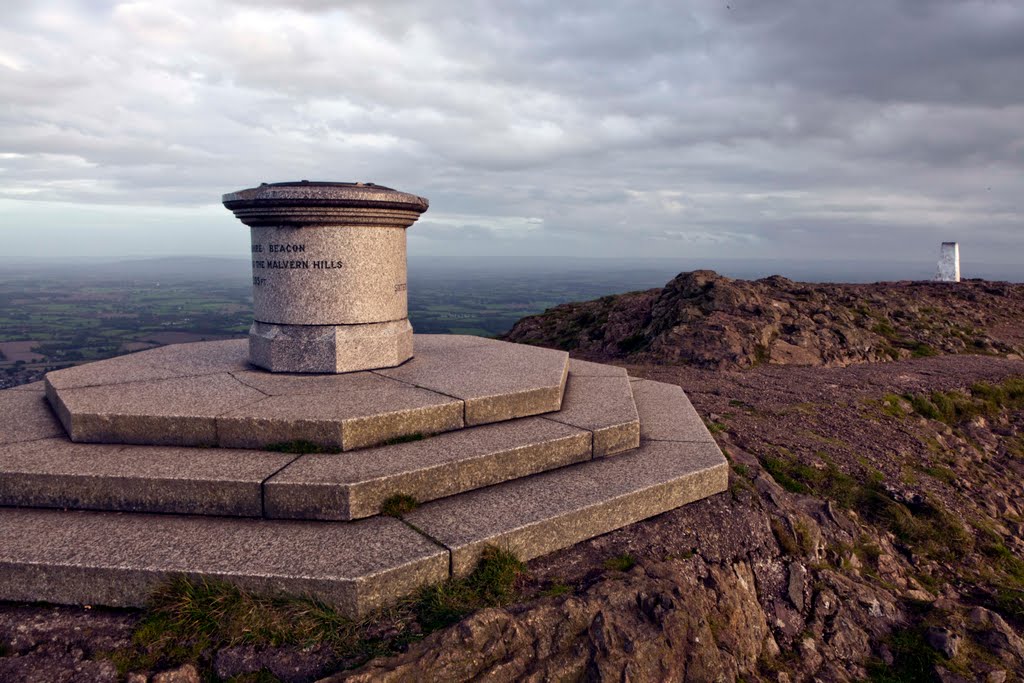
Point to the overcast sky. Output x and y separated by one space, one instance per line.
785 129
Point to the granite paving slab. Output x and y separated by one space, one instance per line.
102 558
584 368
26 416
497 380
207 393
32 386
166 412
545 512
668 413
374 410
604 406
59 473
200 358
325 486
120 370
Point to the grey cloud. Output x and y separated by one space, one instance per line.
790 127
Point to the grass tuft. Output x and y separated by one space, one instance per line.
188 620
492 583
398 505
620 563
914 661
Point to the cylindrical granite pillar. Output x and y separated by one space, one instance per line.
328 275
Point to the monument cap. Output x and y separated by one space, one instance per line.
269 203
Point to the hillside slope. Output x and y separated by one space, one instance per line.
707 320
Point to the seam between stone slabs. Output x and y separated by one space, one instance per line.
263 486
433 391
244 383
583 429
424 534
649 439
42 438
131 381
240 406
378 322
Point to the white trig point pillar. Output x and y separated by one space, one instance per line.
949 263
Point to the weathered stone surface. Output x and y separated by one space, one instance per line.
33 386
120 370
583 368
58 473
330 348
668 413
167 412
100 558
553 510
497 380
604 406
220 399
360 410
25 416
355 485
199 358
361 278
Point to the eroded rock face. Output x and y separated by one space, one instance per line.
658 622
705 319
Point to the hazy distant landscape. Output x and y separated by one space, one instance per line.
52 316
58 314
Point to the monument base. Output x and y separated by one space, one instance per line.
330 348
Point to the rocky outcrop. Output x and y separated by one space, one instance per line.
655 623
707 320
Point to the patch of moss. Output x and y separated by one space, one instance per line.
892 406
943 474
913 659
556 588
398 505
716 427
922 350
885 329
620 563
762 354
632 343
787 541
925 526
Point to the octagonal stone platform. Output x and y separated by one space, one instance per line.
77 522
207 394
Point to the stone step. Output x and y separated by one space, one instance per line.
207 394
355 485
553 510
104 558
113 559
598 418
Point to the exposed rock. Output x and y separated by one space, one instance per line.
943 640
657 624
288 664
707 320
184 674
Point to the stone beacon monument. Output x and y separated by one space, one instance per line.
329 275
269 462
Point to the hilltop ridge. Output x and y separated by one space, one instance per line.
704 319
